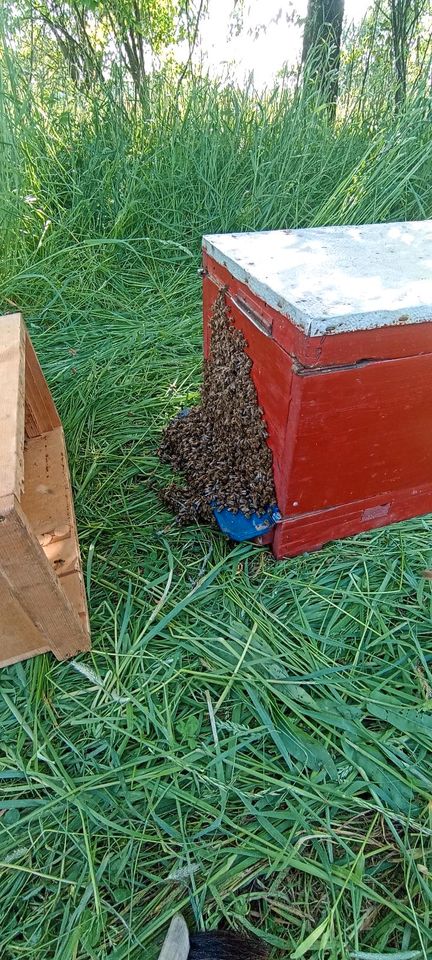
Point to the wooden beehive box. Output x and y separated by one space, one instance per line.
338 326
42 598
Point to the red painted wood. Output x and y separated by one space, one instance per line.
312 531
351 444
359 431
398 340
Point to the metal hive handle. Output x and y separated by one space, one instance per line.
248 311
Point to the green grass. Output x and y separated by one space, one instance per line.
248 741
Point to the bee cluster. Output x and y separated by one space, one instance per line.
220 447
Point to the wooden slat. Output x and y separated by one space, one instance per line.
46 499
40 410
19 638
31 579
12 346
48 505
73 586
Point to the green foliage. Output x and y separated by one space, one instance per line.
390 54
95 36
248 741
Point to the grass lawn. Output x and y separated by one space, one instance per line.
248 742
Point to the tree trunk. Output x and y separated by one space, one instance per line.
321 47
405 16
399 27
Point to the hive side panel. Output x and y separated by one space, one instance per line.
361 431
40 410
312 531
12 348
31 579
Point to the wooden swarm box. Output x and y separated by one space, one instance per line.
42 598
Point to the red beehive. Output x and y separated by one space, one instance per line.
338 325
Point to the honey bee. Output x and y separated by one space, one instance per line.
221 446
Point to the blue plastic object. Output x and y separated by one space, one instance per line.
238 527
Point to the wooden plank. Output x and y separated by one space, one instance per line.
31 579
46 499
73 586
296 535
19 638
48 505
40 410
361 431
12 334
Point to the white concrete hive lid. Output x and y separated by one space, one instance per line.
336 279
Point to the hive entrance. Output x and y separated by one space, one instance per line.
220 447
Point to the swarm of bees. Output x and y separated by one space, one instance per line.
220 447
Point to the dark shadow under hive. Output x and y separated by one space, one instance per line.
220 447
